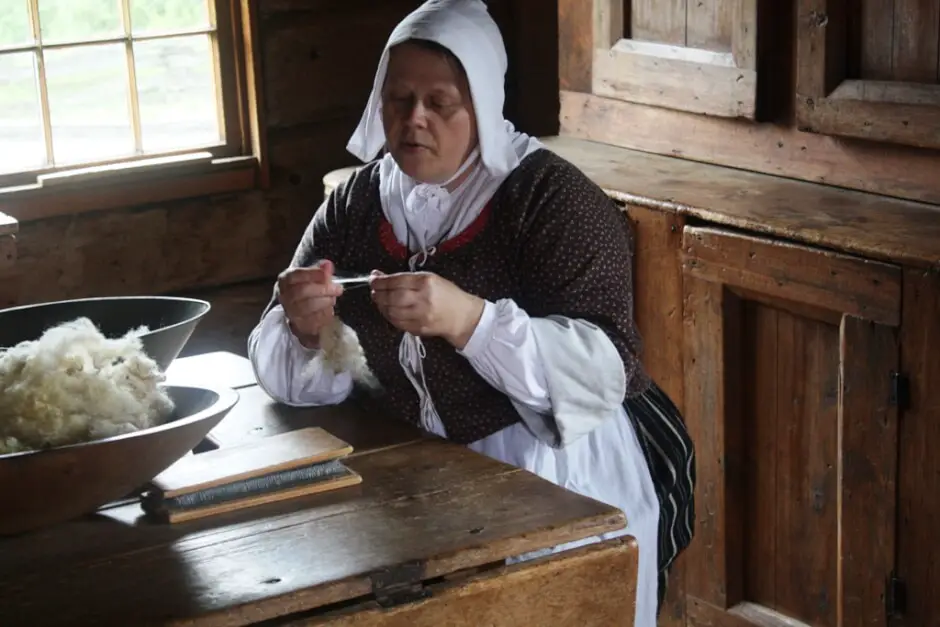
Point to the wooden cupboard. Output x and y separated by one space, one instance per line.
797 325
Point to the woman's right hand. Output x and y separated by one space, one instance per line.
308 296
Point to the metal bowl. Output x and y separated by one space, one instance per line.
171 320
51 486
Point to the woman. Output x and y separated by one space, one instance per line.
500 315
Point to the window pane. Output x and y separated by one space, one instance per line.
88 103
14 23
176 92
168 15
78 20
20 118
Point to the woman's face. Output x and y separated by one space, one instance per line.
427 112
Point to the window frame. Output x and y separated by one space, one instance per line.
236 164
598 55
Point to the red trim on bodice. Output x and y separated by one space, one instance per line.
398 250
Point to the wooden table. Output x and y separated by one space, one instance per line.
421 542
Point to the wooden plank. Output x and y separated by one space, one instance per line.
915 125
49 202
743 26
608 23
867 289
657 282
711 360
658 75
873 226
291 450
867 468
661 21
709 24
916 41
887 92
806 488
741 615
877 40
657 309
811 311
773 149
759 387
258 416
257 118
590 587
811 69
919 464
255 565
575 45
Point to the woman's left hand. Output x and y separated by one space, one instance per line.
426 304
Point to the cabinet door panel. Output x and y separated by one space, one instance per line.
788 359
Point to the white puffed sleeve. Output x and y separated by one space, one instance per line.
564 376
280 363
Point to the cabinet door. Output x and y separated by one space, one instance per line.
789 355
689 55
870 70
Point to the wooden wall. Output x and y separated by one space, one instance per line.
318 63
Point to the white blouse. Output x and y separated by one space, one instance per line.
566 380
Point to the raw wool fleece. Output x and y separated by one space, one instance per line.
75 385
342 352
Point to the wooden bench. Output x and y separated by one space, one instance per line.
421 542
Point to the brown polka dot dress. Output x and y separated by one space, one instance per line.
551 240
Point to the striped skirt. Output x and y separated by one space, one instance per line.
670 454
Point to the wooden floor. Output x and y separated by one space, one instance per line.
235 311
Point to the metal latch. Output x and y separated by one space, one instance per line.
399 584
895 596
899 394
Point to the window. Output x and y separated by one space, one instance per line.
101 101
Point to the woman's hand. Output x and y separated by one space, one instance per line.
308 296
425 304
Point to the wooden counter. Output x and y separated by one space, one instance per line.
420 542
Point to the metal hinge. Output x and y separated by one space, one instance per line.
399 584
900 391
895 596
